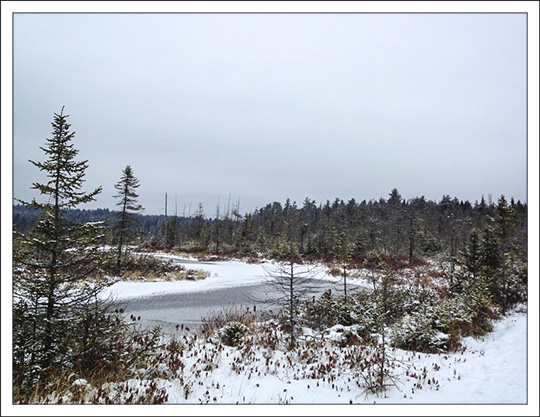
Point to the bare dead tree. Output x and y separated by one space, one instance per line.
291 282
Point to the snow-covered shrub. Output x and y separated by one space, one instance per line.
362 316
418 292
232 333
452 314
416 332
359 311
484 312
212 324
321 313
347 335
350 336
454 317
348 310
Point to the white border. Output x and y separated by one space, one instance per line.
530 7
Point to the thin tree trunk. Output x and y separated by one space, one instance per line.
291 301
121 235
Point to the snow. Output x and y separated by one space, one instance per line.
492 370
80 382
489 370
223 274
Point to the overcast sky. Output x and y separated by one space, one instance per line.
266 107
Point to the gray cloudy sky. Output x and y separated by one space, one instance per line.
274 106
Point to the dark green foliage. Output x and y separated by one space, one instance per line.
360 245
429 245
60 323
245 243
125 227
232 333
171 232
491 253
321 313
473 254
53 258
286 250
398 228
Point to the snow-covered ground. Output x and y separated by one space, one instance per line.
222 275
488 377
491 370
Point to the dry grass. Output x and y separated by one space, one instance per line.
186 274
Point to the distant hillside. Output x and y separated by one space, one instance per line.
24 217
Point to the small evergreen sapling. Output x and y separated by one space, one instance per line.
127 201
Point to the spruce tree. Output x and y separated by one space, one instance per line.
395 226
52 265
473 253
505 224
170 232
127 201
491 250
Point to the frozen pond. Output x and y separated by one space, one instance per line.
232 285
169 310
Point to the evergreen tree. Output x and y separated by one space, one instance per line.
50 264
331 240
244 238
323 312
395 226
473 253
413 228
360 245
170 233
261 242
505 217
127 201
200 229
217 229
491 253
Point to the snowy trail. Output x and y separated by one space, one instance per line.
492 370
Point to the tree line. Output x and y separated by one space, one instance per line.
399 228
